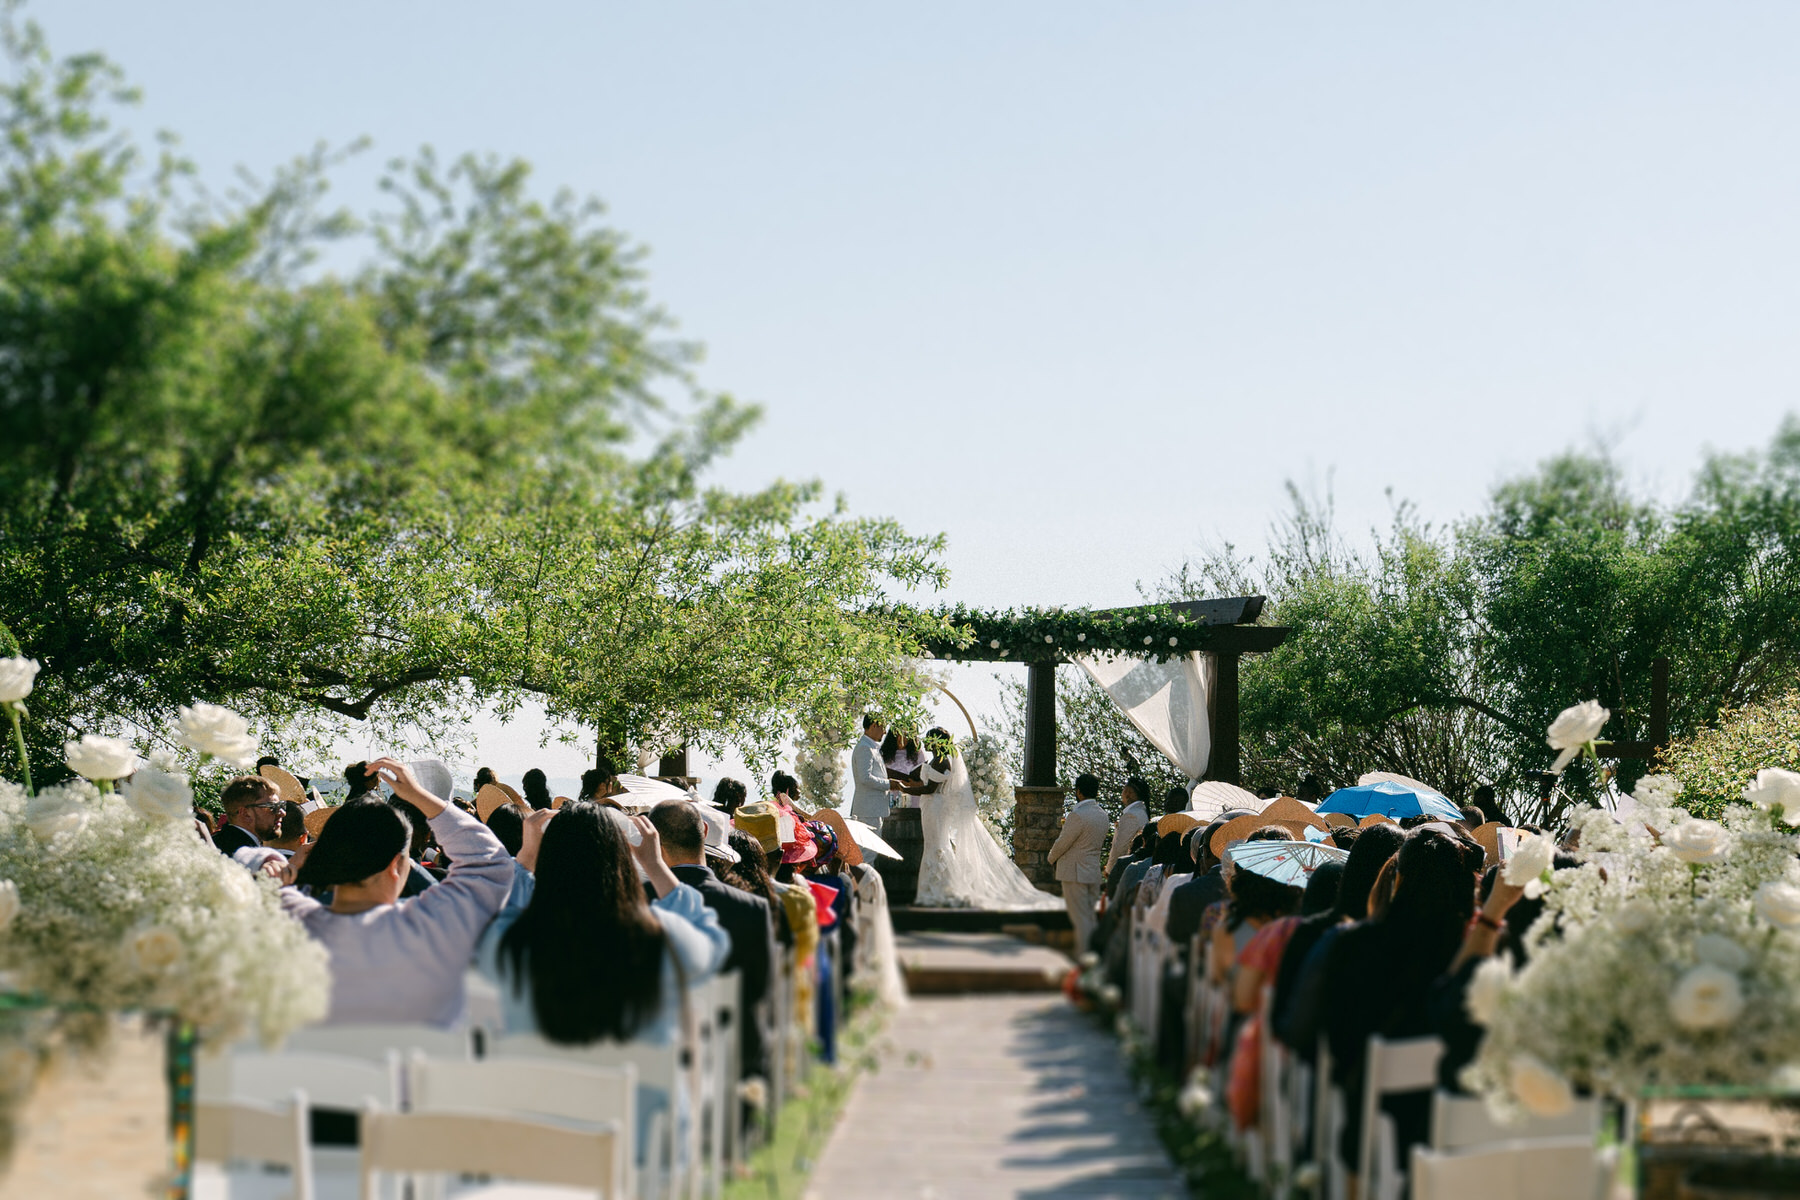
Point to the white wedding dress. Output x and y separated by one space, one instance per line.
964 867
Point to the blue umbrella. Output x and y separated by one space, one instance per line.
1390 799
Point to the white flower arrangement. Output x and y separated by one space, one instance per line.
1671 957
985 756
116 910
822 770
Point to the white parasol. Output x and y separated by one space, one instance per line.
1214 796
1291 863
640 791
869 840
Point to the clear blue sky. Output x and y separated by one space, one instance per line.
1082 285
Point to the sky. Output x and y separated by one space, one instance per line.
1084 286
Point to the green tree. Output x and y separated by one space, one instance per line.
469 471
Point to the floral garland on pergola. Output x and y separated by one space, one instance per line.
1041 634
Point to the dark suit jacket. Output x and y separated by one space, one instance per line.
231 839
746 919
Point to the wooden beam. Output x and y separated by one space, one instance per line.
1225 763
1040 725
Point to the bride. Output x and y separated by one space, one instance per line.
964 867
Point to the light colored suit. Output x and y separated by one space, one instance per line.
1076 857
1131 823
872 799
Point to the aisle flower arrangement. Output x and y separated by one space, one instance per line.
986 755
822 770
110 903
1670 957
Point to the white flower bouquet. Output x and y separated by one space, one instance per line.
1671 957
822 770
112 903
985 755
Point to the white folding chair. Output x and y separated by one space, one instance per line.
1326 1122
667 1169
329 1081
474 1144
725 1007
376 1042
1463 1122
587 1096
230 1130
1403 1065
1566 1168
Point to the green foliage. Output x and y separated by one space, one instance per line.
1092 737
1042 634
1443 652
469 472
1717 763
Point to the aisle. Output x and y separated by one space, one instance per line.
994 1096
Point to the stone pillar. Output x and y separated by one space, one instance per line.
1037 820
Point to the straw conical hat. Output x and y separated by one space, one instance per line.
1489 837
512 794
559 801
1286 808
1336 820
286 784
1179 822
490 797
315 820
1239 828
1375 819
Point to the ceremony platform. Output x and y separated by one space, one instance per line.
993 1096
975 963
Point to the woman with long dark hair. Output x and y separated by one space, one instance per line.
580 955
1380 972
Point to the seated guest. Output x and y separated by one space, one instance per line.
484 777
1299 983
290 832
581 956
1190 898
252 813
418 877
1381 971
537 790
745 917
599 781
1253 901
729 794
393 961
1175 800
508 824
362 779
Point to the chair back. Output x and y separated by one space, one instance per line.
249 1131
656 1066
478 1144
329 1081
1460 1122
1540 1169
374 1043
1401 1065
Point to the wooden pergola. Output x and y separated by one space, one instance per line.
1043 640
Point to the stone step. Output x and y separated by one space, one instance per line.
976 963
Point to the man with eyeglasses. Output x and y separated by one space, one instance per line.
252 813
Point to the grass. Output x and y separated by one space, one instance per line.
780 1168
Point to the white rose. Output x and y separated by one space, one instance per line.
99 758
219 732
1634 916
1541 1089
1696 841
50 814
1573 729
1534 855
9 904
1707 997
1720 951
1773 786
1486 987
1778 903
159 795
16 678
154 949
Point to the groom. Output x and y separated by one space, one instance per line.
872 799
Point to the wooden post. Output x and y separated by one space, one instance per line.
674 765
1224 763
1040 725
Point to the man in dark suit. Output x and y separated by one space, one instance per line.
745 917
252 813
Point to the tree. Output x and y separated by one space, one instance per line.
469 471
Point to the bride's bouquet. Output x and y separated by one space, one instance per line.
1670 957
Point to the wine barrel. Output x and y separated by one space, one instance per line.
903 830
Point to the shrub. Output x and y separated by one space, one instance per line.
1717 763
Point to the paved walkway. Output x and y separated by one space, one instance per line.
993 1096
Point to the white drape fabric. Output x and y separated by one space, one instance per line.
1166 701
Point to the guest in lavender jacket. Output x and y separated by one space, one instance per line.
394 961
